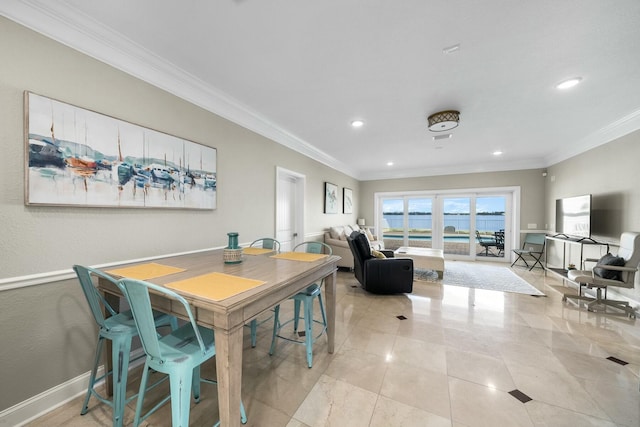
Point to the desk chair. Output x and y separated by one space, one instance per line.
178 355
265 243
608 271
533 247
120 328
305 297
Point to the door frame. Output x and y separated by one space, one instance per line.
512 224
299 182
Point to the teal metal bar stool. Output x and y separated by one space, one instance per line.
265 243
120 328
178 355
305 298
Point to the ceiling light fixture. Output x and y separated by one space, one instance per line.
568 83
497 153
389 163
443 120
357 123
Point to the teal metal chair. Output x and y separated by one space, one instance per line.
265 243
305 298
120 328
178 355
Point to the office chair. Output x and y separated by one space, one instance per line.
608 271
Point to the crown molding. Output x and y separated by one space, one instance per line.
453 170
624 126
62 23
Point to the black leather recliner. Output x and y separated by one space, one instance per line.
376 275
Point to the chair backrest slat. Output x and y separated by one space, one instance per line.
267 243
534 239
313 248
137 294
96 301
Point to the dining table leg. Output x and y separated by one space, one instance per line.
229 375
330 297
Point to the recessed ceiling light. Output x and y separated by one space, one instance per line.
568 83
357 123
497 153
389 163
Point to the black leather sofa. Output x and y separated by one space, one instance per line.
377 275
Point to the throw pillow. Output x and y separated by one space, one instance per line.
609 259
336 232
369 235
378 254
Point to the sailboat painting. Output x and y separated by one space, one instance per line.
77 157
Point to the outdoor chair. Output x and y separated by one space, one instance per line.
486 243
533 248
608 271
120 328
178 355
306 299
499 237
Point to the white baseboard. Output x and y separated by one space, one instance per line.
36 406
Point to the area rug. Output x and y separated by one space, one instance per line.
479 276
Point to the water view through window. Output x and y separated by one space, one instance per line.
410 221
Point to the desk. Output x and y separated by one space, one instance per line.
582 243
283 278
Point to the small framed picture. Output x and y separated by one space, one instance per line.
347 200
330 198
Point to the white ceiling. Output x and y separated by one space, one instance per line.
299 71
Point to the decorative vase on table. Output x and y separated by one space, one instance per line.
232 254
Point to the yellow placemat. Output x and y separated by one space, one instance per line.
145 271
214 286
256 251
299 256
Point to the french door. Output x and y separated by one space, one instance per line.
466 226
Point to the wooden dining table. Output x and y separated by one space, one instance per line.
272 280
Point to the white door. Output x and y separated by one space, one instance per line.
289 208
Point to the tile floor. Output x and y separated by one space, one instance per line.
461 358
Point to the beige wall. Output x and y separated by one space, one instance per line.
48 336
610 173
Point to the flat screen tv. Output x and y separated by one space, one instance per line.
573 216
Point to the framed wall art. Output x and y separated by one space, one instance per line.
77 157
347 200
330 198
